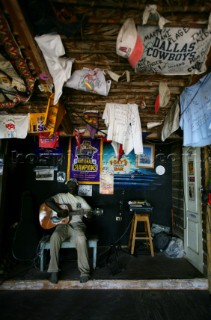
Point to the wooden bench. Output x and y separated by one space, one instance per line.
67 244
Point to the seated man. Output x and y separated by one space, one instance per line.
75 229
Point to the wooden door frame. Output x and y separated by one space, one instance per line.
207 157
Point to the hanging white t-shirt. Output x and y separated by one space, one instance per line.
195 102
124 127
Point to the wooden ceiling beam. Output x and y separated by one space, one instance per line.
163 6
16 16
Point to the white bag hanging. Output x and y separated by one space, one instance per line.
89 80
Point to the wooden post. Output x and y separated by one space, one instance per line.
28 41
208 227
208 217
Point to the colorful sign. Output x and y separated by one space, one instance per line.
106 183
126 172
84 160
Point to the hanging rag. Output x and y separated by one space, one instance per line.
163 97
152 10
171 121
78 134
59 67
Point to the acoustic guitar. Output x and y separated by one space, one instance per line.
49 219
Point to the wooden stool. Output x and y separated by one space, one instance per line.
146 235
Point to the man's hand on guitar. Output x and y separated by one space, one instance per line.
63 213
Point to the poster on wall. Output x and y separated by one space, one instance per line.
61 176
191 180
146 159
85 160
58 151
47 156
106 183
45 173
85 190
126 172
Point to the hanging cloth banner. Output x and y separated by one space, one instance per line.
85 161
37 122
164 50
14 126
174 51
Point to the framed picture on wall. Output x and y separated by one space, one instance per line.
146 159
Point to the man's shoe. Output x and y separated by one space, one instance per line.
54 277
84 279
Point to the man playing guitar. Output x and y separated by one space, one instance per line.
70 224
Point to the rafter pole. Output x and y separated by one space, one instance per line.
14 11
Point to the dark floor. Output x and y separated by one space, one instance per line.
117 304
111 264
105 305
